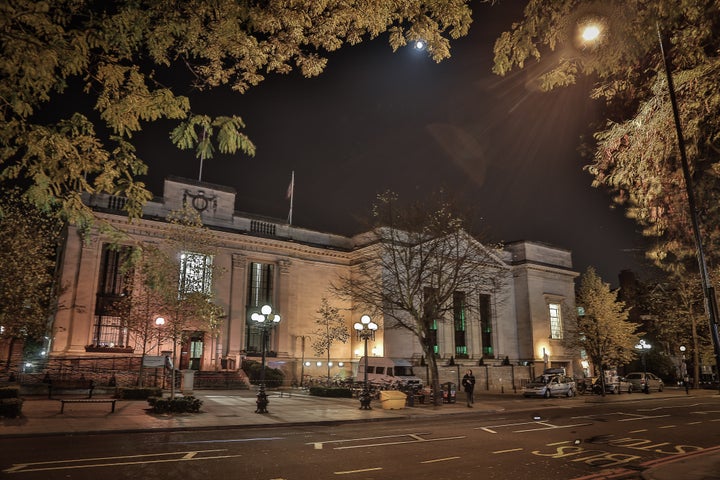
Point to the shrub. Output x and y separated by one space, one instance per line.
137 393
186 404
335 392
274 377
11 407
10 392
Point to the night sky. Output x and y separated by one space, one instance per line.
377 120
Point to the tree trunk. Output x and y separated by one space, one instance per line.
434 379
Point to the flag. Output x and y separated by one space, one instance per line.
290 195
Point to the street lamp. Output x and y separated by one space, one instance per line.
159 322
265 320
643 346
365 329
711 305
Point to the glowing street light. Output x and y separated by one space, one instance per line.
365 329
591 32
265 320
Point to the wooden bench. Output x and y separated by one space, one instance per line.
63 401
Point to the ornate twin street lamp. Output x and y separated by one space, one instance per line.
644 347
265 321
365 329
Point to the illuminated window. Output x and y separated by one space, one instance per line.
459 322
486 326
555 321
260 292
195 273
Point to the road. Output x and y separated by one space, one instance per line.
568 440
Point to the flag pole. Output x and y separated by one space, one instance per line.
291 195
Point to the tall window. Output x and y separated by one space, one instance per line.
486 331
260 292
459 323
555 321
195 273
109 329
113 279
429 299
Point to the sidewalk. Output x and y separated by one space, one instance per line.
236 408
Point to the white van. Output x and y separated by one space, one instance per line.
384 370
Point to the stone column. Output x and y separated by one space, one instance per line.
234 340
282 341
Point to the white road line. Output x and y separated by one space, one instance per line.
440 460
638 431
667 426
114 464
402 442
551 427
348 472
642 417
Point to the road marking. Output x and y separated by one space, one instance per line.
693 423
440 460
113 461
319 445
508 451
638 431
548 426
400 442
641 417
348 472
667 426
231 440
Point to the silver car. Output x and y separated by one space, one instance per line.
645 382
547 386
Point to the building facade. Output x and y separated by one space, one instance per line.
259 260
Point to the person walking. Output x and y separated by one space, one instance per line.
468 383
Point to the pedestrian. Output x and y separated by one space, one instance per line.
686 381
468 383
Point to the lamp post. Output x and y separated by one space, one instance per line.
265 320
643 346
365 329
591 33
159 322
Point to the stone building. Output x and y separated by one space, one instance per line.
265 260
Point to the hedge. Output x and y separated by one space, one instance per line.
186 404
335 392
11 407
137 393
10 392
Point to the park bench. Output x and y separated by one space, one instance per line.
63 401
64 385
69 385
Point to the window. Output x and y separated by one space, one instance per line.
459 323
486 331
260 292
195 273
113 279
429 298
555 321
109 332
109 329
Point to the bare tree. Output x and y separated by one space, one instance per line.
419 257
331 327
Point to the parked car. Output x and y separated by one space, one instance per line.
645 382
550 385
619 385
